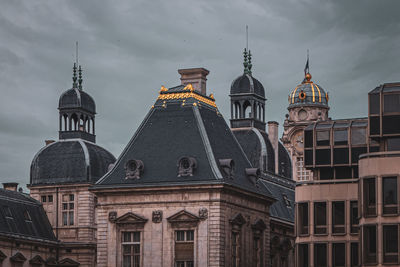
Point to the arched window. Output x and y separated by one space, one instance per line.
247 109
237 110
74 122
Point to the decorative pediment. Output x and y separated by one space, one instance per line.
67 262
37 260
51 262
18 257
130 218
238 219
259 225
183 218
2 256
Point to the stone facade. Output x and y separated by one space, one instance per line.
228 209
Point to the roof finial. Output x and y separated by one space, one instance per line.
76 54
307 67
247 37
80 78
249 65
245 63
74 85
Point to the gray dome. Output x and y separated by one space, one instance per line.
76 98
308 93
247 84
70 161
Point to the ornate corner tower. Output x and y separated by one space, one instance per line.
308 102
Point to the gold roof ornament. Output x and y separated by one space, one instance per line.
163 89
189 87
212 96
308 78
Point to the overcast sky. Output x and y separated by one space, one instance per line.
128 49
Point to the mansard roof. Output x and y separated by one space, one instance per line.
23 217
183 123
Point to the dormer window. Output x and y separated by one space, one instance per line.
253 174
228 166
186 166
134 169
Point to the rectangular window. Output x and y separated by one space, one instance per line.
28 221
320 255
303 255
68 209
323 138
389 186
184 248
390 244
10 219
320 218
393 144
338 255
369 243
340 137
353 217
338 217
369 197
358 136
235 249
131 250
44 199
50 198
354 255
257 251
302 173
374 104
391 103
303 218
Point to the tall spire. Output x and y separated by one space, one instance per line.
245 62
80 78
307 67
249 65
74 84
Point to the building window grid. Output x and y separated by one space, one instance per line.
131 250
302 173
235 249
68 206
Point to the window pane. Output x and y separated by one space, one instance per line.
136 249
320 259
136 261
370 244
136 236
126 237
354 254
390 195
43 199
65 206
126 249
340 137
323 138
180 235
190 235
71 197
320 217
374 103
303 218
353 216
393 144
338 254
71 218
369 196
71 206
127 261
338 217
50 197
391 103
390 243
358 136
303 255
65 218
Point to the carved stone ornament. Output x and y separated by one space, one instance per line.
157 216
203 213
112 216
134 169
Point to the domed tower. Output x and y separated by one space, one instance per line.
77 112
248 124
308 102
63 171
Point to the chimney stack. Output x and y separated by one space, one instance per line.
10 186
195 76
273 137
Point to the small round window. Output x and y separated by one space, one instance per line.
302 114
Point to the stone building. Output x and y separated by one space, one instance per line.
188 190
63 171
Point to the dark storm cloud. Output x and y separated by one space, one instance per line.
128 49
